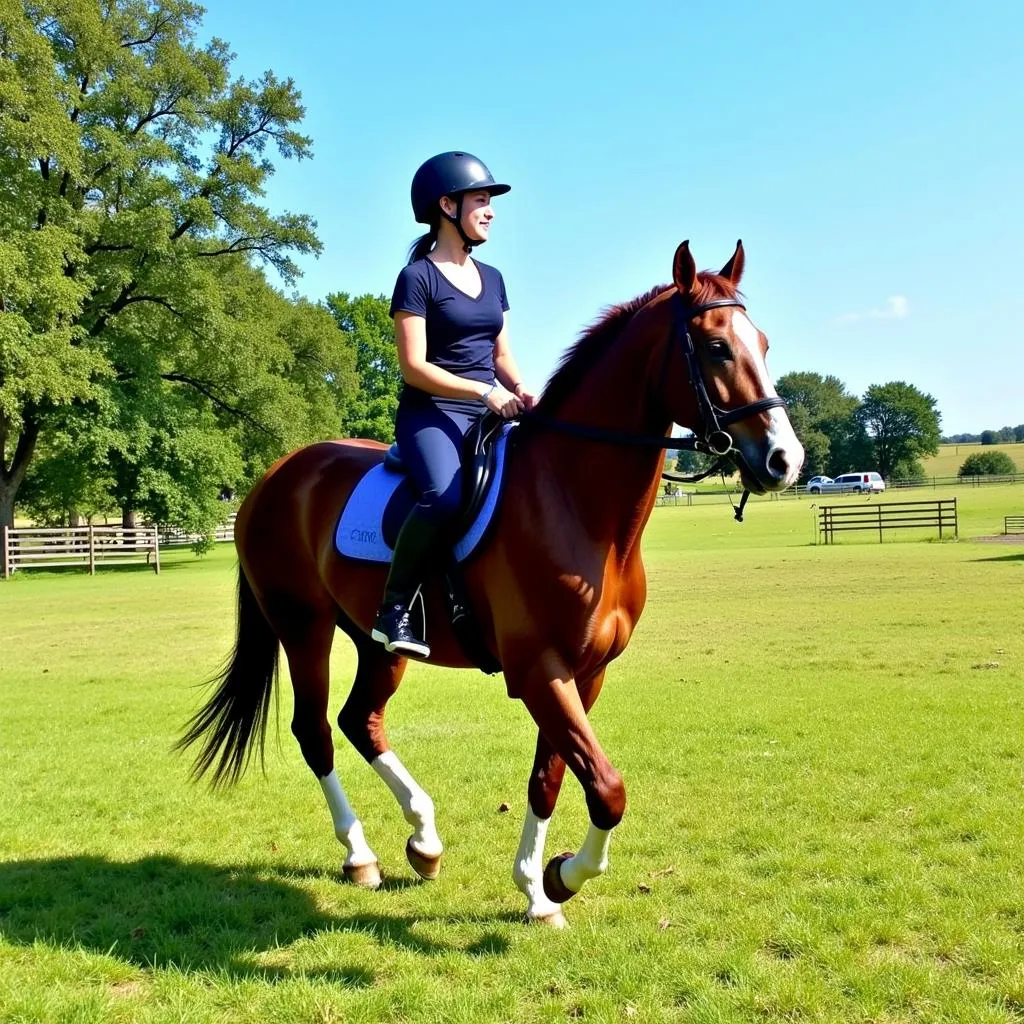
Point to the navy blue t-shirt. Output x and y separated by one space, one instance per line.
461 330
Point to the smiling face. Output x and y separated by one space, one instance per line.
731 355
477 213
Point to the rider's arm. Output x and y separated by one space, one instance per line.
411 337
504 362
506 369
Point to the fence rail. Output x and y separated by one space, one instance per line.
981 480
170 537
1013 524
710 495
887 515
78 546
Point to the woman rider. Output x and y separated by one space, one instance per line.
453 350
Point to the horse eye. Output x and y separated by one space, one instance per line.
719 350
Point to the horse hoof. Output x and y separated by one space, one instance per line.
555 920
554 888
365 875
428 868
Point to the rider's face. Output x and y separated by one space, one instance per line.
477 213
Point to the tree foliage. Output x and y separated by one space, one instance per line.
902 424
823 415
132 170
179 425
691 462
988 464
367 325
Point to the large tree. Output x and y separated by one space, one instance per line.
902 424
130 165
823 416
282 374
367 324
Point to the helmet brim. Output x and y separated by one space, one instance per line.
486 186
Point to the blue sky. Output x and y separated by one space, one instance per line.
870 156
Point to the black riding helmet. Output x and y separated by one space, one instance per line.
451 174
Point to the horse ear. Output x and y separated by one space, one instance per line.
684 270
733 270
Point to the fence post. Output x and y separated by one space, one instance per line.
156 549
956 521
92 552
6 569
878 508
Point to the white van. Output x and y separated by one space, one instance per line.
858 483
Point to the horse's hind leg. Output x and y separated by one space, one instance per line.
362 721
307 643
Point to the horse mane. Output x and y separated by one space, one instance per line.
599 337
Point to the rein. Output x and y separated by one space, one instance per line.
714 439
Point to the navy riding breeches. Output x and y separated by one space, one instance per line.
430 440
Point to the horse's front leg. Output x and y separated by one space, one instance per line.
560 710
542 794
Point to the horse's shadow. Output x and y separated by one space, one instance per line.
160 911
1017 557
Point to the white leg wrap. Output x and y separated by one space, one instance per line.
347 826
417 807
591 861
528 869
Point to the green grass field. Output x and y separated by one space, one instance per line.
823 751
951 457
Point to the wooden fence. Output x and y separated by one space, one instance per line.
80 546
887 515
170 537
1013 524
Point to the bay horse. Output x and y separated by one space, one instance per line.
557 588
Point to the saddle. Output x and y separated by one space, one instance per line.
381 501
479 461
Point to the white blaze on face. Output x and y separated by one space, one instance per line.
781 436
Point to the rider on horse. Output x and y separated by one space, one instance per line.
453 350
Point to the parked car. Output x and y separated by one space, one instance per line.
857 482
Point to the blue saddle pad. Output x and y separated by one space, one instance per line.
381 500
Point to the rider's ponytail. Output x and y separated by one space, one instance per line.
423 244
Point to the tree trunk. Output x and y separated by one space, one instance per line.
75 518
6 503
129 518
12 476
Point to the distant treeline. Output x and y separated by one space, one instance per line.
1003 436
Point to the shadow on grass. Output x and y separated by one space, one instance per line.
160 911
1002 558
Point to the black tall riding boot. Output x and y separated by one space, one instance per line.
394 628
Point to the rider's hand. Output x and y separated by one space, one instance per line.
503 402
526 397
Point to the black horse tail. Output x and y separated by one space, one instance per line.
236 713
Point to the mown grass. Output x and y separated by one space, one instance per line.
951 457
825 768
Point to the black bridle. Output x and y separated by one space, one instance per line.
712 439
716 440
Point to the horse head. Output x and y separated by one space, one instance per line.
715 379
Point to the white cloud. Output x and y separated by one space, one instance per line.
896 308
